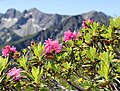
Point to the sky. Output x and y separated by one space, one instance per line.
64 7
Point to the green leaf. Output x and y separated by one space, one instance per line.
2 77
56 67
48 65
40 74
80 42
3 63
88 37
67 65
69 49
108 35
28 74
23 62
92 53
84 52
37 73
38 50
106 58
115 22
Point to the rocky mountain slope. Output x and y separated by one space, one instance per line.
19 28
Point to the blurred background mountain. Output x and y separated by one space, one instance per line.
20 28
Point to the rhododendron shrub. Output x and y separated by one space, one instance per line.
85 61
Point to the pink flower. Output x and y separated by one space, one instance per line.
52 46
84 24
68 35
7 47
15 73
56 46
7 50
13 49
48 46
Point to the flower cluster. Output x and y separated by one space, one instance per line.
84 23
15 73
7 50
68 35
52 46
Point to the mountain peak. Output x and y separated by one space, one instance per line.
34 10
11 10
95 15
25 11
12 13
